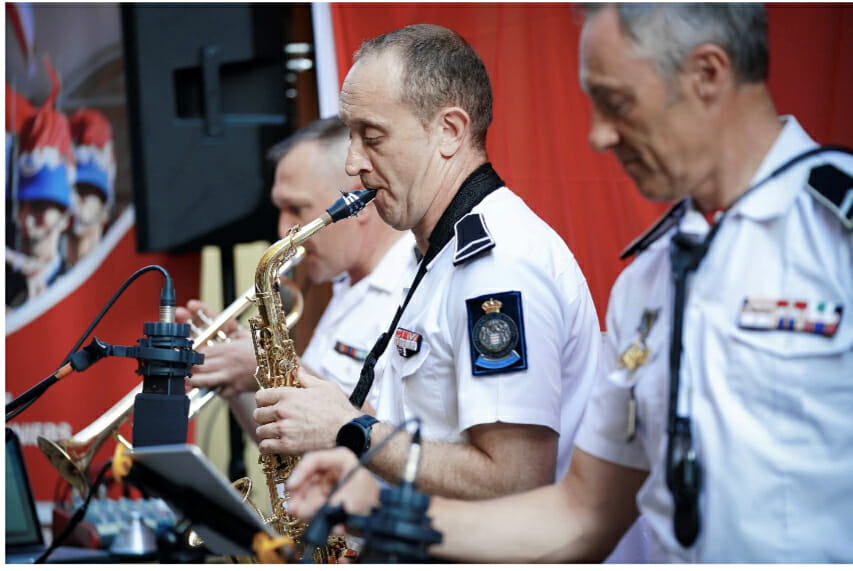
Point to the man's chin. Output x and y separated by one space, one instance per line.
655 190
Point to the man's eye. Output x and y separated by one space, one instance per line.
617 106
371 140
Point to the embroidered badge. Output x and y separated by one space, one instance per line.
407 342
496 332
357 354
637 354
767 314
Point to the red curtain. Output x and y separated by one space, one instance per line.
537 141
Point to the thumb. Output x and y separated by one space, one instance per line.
307 380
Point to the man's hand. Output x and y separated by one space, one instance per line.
294 420
316 474
189 314
229 365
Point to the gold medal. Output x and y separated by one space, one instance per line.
638 353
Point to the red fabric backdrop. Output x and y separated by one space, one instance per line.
537 141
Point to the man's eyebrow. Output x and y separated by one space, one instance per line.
599 90
297 200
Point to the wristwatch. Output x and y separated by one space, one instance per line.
355 434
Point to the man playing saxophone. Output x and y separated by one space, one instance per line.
497 348
363 257
750 461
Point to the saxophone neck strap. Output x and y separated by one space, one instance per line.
479 184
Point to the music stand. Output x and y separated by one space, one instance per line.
192 486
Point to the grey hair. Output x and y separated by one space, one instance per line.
667 33
439 69
329 133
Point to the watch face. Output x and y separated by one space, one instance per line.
353 436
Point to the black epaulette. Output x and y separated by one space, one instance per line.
472 238
657 230
833 188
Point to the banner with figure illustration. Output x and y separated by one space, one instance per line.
70 240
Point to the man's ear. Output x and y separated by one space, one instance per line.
453 125
710 73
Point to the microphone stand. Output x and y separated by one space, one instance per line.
398 530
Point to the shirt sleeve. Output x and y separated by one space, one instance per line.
604 429
549 307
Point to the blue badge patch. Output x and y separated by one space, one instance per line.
496 332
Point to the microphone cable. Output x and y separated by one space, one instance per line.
76 518
22 402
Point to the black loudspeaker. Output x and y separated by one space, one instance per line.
206 98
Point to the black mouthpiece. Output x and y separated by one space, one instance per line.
350 204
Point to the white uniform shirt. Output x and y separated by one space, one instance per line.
770 410
561 330
357 315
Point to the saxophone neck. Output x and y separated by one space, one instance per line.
268 267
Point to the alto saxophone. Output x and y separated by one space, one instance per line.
274 350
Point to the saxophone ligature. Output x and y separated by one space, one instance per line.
276 355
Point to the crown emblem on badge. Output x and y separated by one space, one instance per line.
491 306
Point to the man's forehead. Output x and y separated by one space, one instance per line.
372 79
607 57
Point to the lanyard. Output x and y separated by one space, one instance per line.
683 470
476 187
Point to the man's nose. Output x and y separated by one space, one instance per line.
602 133
286 221
357 162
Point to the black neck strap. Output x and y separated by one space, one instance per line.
479 184
685 256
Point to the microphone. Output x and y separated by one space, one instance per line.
165 357
399 530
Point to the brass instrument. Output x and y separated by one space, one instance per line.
275 353
72 457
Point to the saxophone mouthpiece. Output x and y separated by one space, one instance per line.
350 203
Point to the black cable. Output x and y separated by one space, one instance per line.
362 462
369 455
32 394
76 518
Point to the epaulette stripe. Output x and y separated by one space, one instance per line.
660 227
834 189
472 237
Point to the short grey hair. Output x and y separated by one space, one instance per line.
327 132
667 33
439 69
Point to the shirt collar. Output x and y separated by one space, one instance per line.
776 196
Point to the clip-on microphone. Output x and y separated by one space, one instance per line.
399 530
